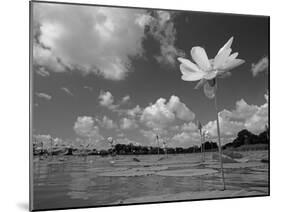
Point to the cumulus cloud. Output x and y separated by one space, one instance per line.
244 116
161 114
96 40
260 66
42 137
106 99
47 141
157 115
107 123
162 28
44 96
186 139
85 126
257 122
125 140
190 127
67 91
228 128
242 111
134 111
149 135
99 40
126 124
181 111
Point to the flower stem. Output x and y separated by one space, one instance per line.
201 145
157 145
219 137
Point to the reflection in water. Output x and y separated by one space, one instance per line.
76 182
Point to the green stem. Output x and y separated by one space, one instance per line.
219 137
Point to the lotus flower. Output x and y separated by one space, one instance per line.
207 69
206 72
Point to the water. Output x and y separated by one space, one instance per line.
76 181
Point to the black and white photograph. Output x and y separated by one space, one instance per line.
138 105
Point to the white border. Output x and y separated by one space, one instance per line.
14 104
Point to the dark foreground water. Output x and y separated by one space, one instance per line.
73 181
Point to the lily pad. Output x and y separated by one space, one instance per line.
150 168
237 165
186 172
127 173
107 169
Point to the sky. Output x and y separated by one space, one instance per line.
102 72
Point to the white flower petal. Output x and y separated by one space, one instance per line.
232 64
188 75
210 75
199 55
221 58
189 65
224 74
227 45
233 56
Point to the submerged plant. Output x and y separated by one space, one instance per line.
207 71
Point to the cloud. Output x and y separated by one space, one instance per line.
121 135
126 124
257 122
162 28
186 139
47 141
157 115
242 111
228 128
244 116
99 40
134 111
150 135
182 112
260 66
125 99
190 127
85 126
106 99
44 96
42 72
88 88
67 91
125 140
161 114
42 137
107 123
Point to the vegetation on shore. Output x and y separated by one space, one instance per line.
244 141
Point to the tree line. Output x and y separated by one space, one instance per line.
244 138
